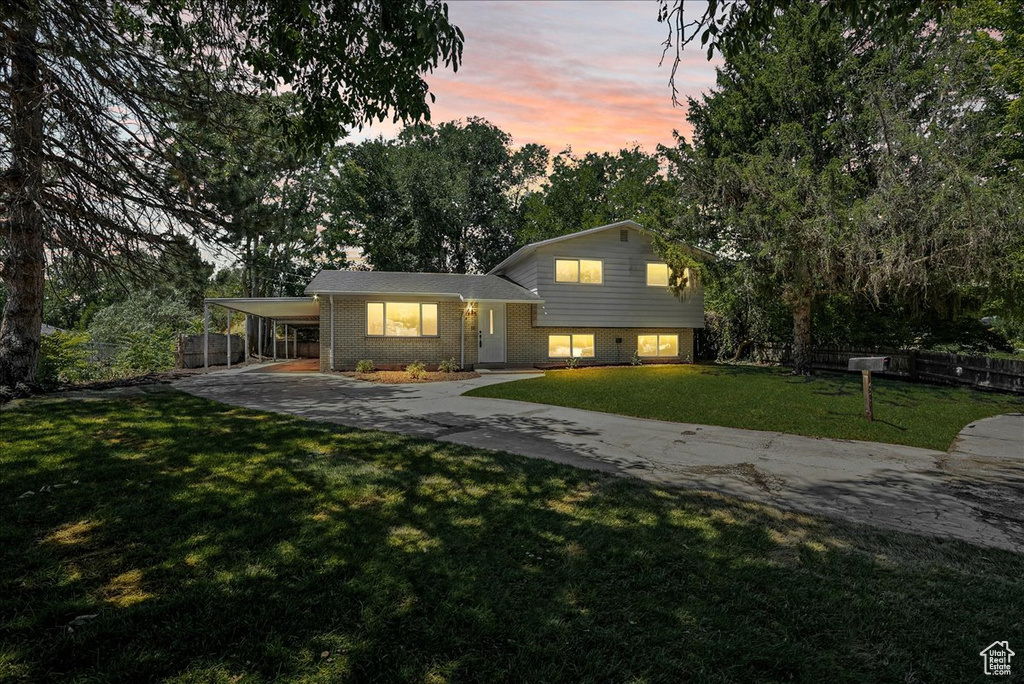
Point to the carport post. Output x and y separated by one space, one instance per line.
245 356
332 333
228 336
295 343
273 337
259 339
206 335
286 341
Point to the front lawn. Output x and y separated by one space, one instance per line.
827 405
215 544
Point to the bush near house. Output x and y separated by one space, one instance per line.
364 366
64 358
416 369
448 366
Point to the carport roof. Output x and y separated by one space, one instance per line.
468 287
284 309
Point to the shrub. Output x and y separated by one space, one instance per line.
448 366
145 352
64 358
636 360
416 369
572 362
364 366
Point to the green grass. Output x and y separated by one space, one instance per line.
826 405
216 544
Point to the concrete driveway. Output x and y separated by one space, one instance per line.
974 492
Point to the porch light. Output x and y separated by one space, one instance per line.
470 308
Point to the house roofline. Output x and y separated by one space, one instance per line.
632 225
453 295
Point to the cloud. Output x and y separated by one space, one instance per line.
567 73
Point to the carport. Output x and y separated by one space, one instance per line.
290 312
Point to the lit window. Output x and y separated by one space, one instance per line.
590 271
564 346
401 319
657 345
429 319
586 271
567 271
559 346
583 346
375 318
657 274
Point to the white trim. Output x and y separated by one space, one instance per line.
453 295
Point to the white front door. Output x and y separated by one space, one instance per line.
492 333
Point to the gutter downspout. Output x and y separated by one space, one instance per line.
462 351
332 332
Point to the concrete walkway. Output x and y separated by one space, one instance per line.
973 493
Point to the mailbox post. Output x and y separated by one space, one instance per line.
866 364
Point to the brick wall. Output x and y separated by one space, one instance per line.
351 343
528 344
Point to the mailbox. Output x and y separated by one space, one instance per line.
869 363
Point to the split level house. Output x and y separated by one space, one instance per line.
598 295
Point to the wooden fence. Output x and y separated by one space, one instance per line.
189 353
983 372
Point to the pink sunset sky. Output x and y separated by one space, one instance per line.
580 74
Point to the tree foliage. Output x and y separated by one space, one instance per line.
597 189
94 89
445 198
274 204
733 27
830 167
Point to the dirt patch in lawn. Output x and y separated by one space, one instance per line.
389 377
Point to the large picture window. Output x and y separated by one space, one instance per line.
657 345
401 319
564 346
657 274
585 271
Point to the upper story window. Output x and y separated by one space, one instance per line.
585 271
401 319
657 274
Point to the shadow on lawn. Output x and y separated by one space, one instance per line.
214 542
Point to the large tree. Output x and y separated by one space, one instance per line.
595 189
445 198
275 203
84 159
827 166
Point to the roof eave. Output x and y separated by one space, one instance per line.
526 249
453 295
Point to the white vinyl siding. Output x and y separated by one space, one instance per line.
624 300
